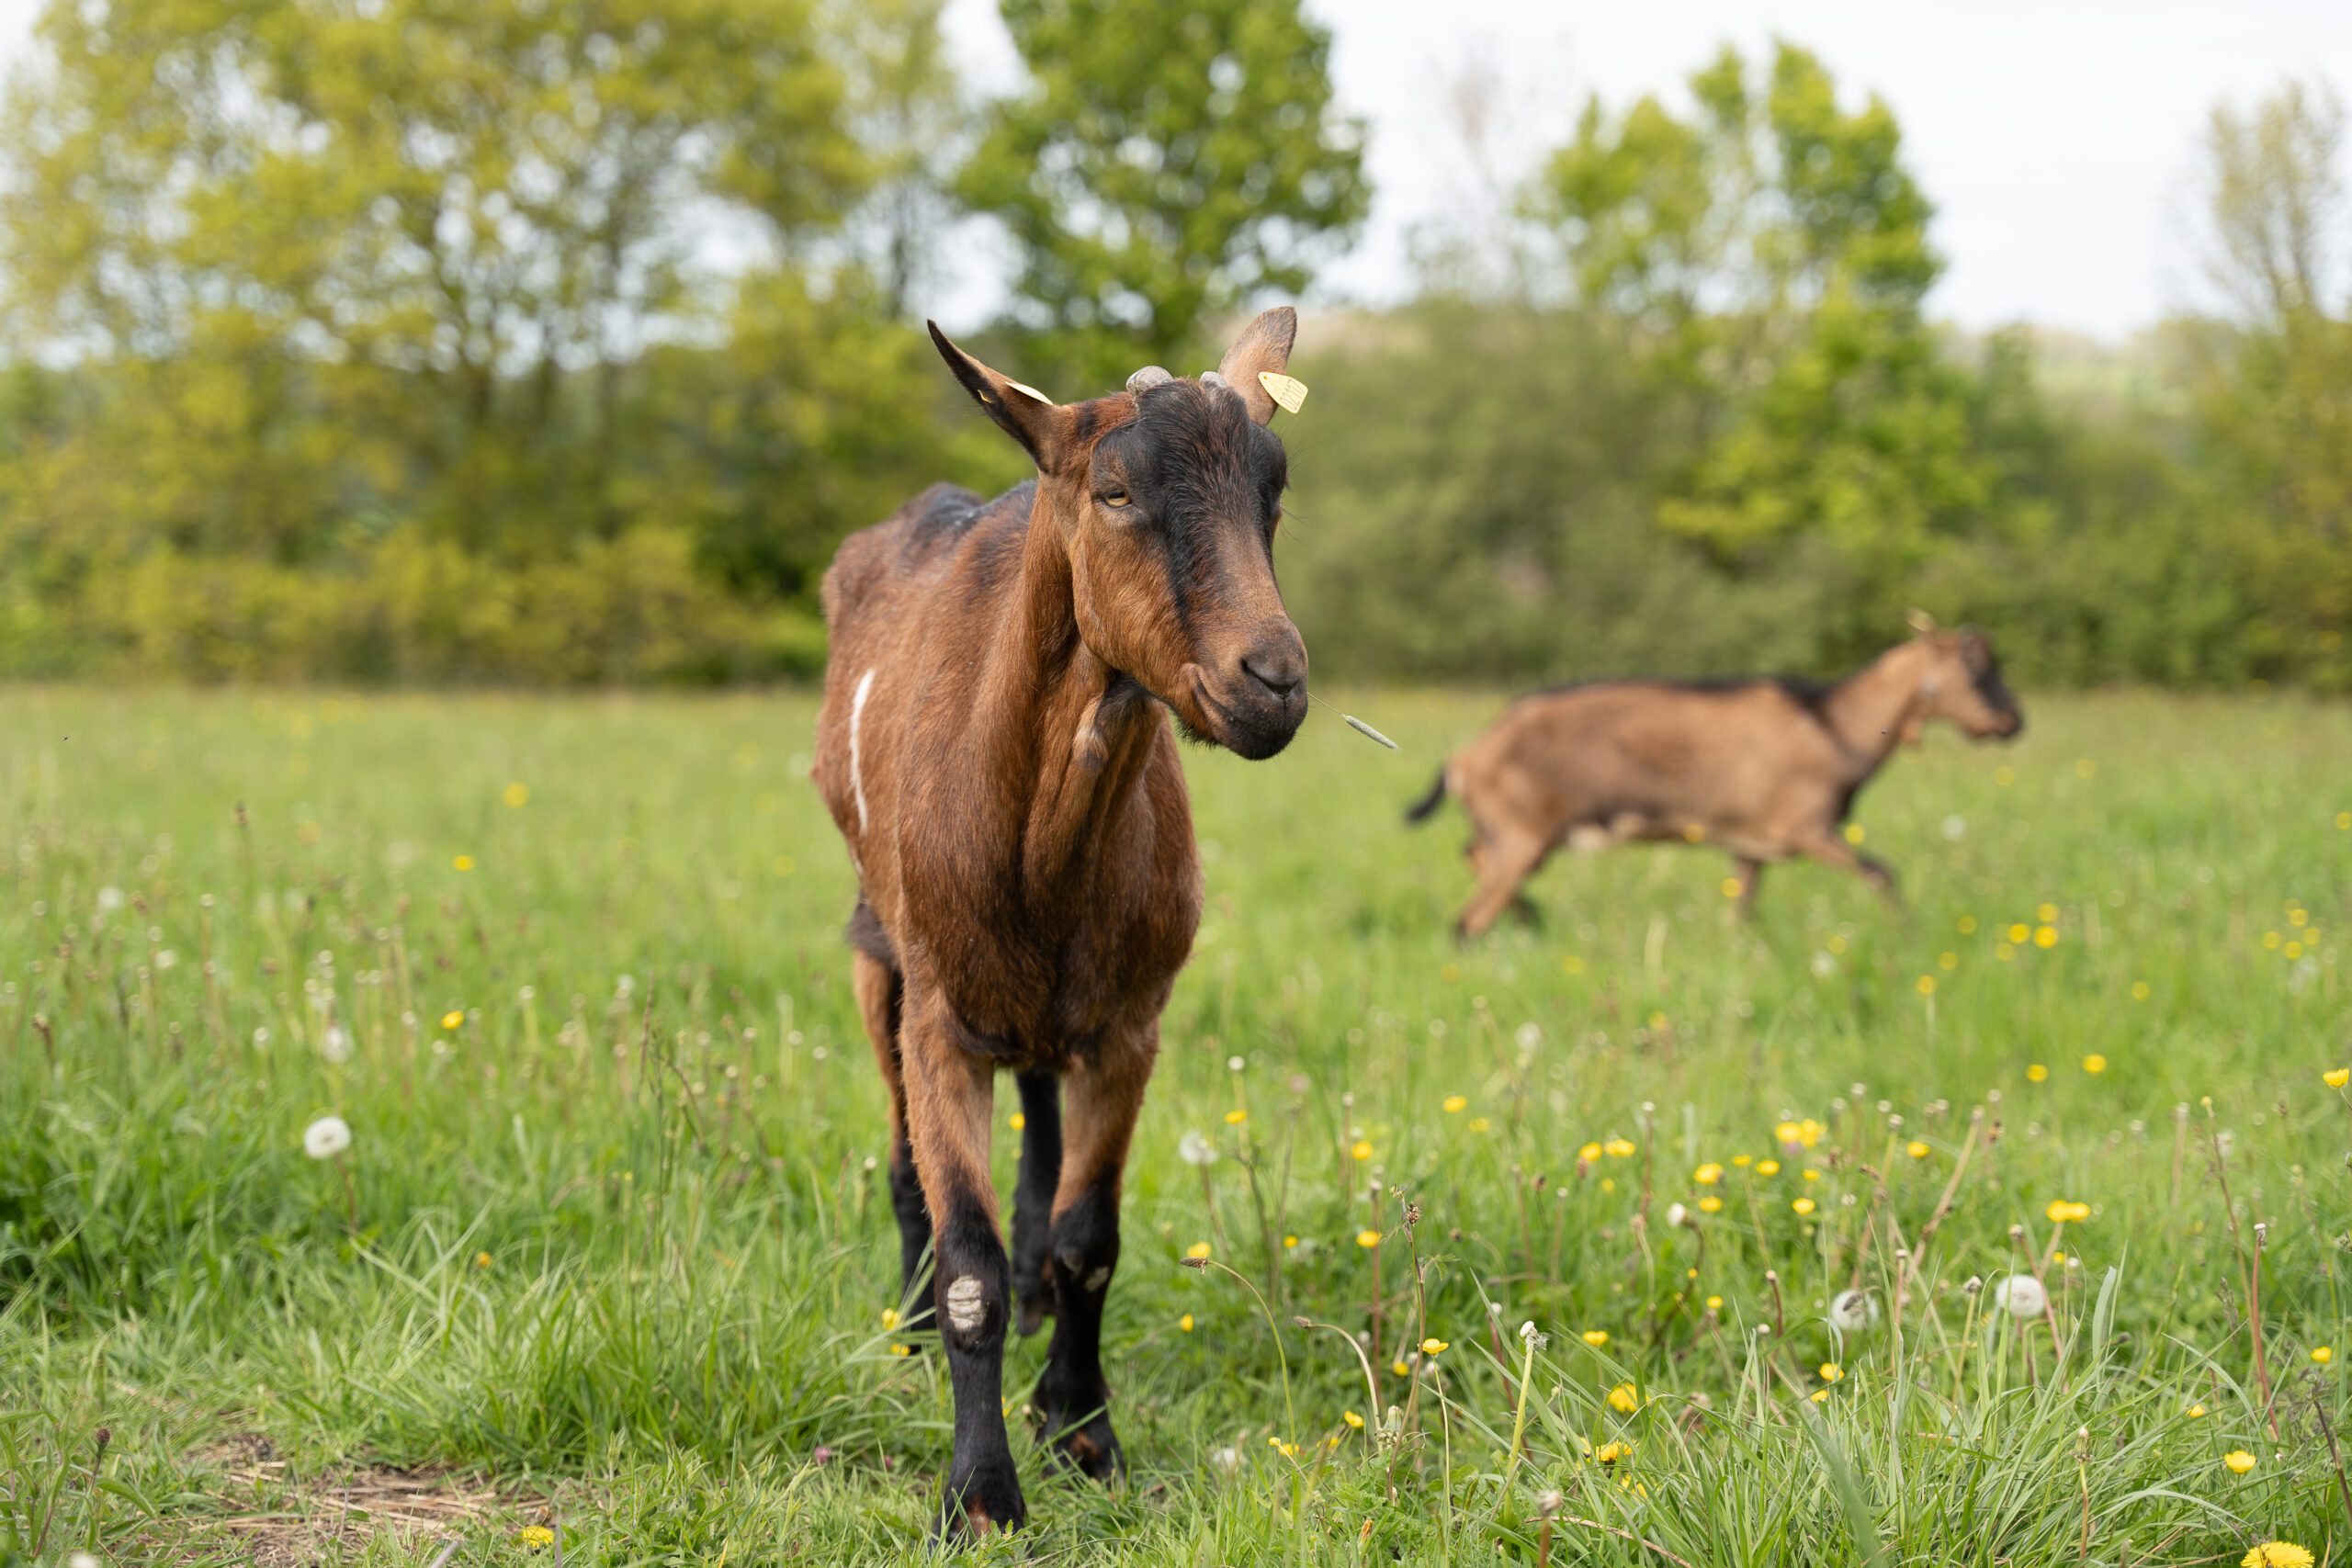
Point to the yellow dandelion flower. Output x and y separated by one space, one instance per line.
1711 1204
2139 990
1589 1154
2277 1554
1571 965
1454 1102
889 1317
1768 1167
902 1349
2322 1354
2020 934
1731 886
1289 1242
1619 1148
1596 1338
532 1537
1708 1175
2045 913
2337 1079
1433 1347
1016 1121
1185 1323
1855 833
1917 1149
1361 1151
2094 1062
2239 1460
1288 1451
1235 1117
517 796
452 1018
1352 1419
1813 1176
1714 1303
1802 1205
1610 1453
1968 925
1198 1249
1399 1368
1948 961
1821 1397
1741 1160
1479 1124
463 863
481 1259
1831 1371
1924 985
1367 1238
1624 1399
2036 1072
2195 1411
2045 936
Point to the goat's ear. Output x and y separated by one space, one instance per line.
1041 425
1264 346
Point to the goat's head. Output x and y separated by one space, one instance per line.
1166 497
1961 680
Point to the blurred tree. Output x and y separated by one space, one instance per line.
1773 249
2276 393
1168 161
911 123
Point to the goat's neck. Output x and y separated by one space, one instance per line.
1871 710
1064 731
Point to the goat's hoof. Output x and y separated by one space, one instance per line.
980 1499
1087 1445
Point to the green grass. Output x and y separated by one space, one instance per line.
616 1234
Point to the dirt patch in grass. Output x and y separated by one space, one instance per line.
275 1518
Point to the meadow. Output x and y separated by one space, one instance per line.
610 1252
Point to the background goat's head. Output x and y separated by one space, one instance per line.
1166 497
1960 681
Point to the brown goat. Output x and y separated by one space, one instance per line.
1766 768
992 749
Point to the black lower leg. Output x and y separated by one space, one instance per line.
914 1239
1072 1399
1033 1197
970 1285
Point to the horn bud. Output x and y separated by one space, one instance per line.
1149 376
1919 621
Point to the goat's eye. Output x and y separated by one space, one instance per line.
1114 499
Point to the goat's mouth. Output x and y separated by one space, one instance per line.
1252 725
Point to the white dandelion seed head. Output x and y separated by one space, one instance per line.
335 1044
1235 1063
326 1137
2021 1296
1853 1311
1227 1459
109 899
1530 1035
1194 1148
1676 1214
1956 827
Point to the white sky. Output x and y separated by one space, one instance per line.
2056 136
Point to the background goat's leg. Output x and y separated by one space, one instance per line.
950 1103
1033 1197
1105 1092
1748 872
880 992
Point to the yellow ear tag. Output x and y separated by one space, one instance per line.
1031 390
1285 391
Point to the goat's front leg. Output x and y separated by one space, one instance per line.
1104 1095
950 1097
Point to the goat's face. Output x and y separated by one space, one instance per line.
1963 683
1166 498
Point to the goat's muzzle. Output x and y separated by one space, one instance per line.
1254 705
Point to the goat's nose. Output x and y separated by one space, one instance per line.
1279 664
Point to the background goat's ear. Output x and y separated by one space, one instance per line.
1039 423
1264 346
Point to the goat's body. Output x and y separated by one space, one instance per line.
1765 769
1044 940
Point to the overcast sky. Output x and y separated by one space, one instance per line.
2056 137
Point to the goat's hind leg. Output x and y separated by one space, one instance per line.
880 996
1033 1197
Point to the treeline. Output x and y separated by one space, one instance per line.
561 342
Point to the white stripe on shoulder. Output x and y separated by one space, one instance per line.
856 712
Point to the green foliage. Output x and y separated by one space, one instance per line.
1167 164
616 1239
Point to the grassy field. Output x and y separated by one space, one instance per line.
611 1252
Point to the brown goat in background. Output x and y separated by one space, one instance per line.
992 747
1765 768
